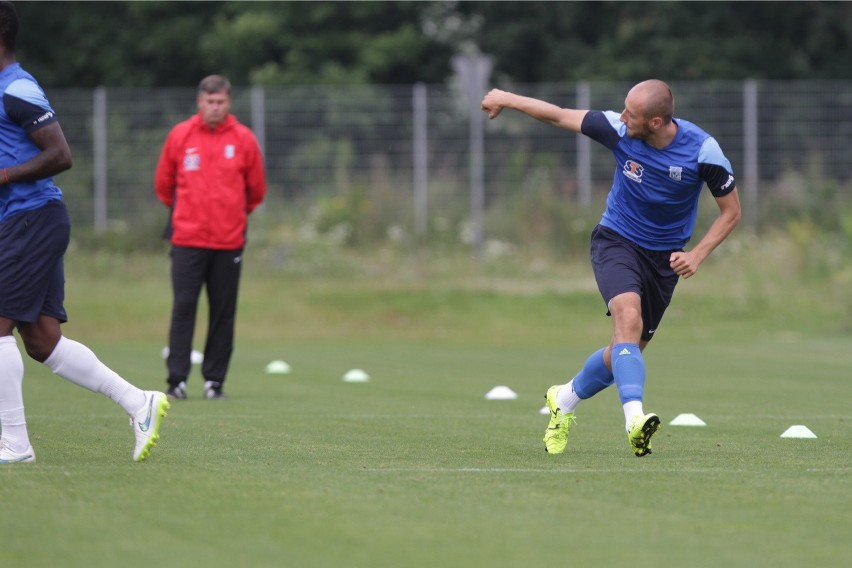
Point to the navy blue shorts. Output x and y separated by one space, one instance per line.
623 266
32 274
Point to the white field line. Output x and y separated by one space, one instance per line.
577 470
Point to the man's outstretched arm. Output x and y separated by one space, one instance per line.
496 100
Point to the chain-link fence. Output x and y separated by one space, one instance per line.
394 161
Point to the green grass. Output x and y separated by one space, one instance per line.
415 468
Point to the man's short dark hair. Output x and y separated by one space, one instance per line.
214 84
8 25
660 101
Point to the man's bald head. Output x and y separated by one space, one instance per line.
654 98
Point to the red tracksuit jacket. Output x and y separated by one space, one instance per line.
212 180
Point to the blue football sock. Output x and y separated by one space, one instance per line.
593 377
628 367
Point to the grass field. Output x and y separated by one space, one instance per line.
415 468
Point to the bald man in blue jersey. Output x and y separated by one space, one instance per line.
34 235
637 249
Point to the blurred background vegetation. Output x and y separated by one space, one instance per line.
164 43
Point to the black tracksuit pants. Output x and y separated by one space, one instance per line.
219 272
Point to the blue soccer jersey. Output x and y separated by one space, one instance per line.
654 197
24 109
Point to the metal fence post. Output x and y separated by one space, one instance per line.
750 154
474 71
584 150
99 149
258 117
420 160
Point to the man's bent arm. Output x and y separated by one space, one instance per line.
55 155
686 263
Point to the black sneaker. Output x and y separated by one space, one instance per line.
177 392
213 391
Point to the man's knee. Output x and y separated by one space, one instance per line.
39 349
40 338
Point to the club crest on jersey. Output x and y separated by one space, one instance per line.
230 151
633 170
191 162
675 172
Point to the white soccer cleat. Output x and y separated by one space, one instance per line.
8 456
146 423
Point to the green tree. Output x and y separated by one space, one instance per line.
324 42
162 43
548 42
116 44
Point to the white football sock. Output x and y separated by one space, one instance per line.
13 422
567 399
632 409
77 363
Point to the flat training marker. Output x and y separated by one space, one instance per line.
687 420
798 431
277 367
356 376
501 393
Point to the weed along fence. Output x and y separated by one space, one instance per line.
373 162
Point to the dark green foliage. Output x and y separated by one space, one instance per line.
143 44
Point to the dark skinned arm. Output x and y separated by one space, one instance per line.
55 156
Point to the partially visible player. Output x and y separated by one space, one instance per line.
637 249
34 234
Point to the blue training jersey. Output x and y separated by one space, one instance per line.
653 201
24 110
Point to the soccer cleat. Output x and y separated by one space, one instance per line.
640 431
8 456
177 392
146 423
556 435
213 391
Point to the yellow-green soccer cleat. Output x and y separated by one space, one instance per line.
146 423
556 435
640 431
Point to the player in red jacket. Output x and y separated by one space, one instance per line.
211 176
